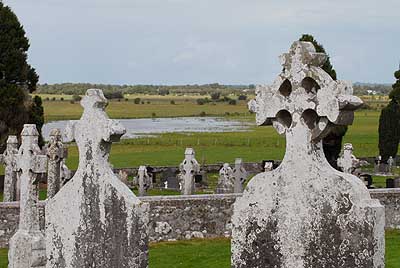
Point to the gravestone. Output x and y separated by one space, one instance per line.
55 153
268 166
124 177
347 162
188 169
27 246
226 183
144 181
170 179
305 213
239 175
65 172
95 220
11 188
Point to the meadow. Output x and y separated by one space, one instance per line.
215 253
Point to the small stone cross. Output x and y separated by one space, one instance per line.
144 180
56 153
226 181
11 189
188 168
240 175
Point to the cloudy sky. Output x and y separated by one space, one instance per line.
204 41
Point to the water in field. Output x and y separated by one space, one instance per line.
152 126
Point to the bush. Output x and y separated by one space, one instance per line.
242 97
53 99
47 99
232 102
114 95
76 98
136 101
72 102
172 102
153 114
126 99
61 99
142 102
148 102
200 101
202 114
215 95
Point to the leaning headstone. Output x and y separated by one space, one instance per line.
305 213
239 175
55 153
95 220
11 189
226 183
144 181
27 246
188 168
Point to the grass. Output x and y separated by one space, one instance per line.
216 253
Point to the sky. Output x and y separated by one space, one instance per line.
204 41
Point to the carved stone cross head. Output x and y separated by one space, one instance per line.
55 149
94 132
8 156
189 154
304 101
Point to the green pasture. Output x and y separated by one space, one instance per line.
216 253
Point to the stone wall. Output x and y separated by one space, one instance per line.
184 217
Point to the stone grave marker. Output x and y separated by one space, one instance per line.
11 188
188 168
65 172
144 181
347 162
27 246
170 179
304 213
95 220
239 175
55 153
226 183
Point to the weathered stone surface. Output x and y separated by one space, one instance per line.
55 152
188 169
65 172
27 246
226 182
305 213
11 185
239 175
347 162
95 220
144 181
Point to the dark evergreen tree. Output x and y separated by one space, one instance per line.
333 142
17 79
389 123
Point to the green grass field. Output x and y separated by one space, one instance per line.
216 253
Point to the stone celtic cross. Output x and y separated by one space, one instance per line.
305 213
240 175
188 169
95 217
56 153
11 188
27 246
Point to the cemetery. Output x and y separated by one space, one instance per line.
300 172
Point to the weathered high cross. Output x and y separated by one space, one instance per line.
188 168
56 153
240 175
305 213
11 189
27 246
95 220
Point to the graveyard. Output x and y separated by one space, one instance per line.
300 170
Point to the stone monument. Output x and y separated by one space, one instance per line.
55 153
27 246
304 213
239 175
144 181
11 188
347 162
95 220
65 172
226 182
188 168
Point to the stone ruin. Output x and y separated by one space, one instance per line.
56 153
95 220
188 169
239 175
144 181
27 246
11 189
306 214
226 182
348 163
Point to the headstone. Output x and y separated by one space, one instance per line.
391 164
11 189
144 181
123 176
170 176
305 213
239 175
188 168
226 182
65 172
268 166
55 153
95 220
27 246
347 162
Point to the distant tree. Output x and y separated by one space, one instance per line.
17 79
389 123
200 101
76 98
136 101
163 91
242 97
215 96
232 102
172 102
332 144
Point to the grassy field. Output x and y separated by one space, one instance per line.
215 253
